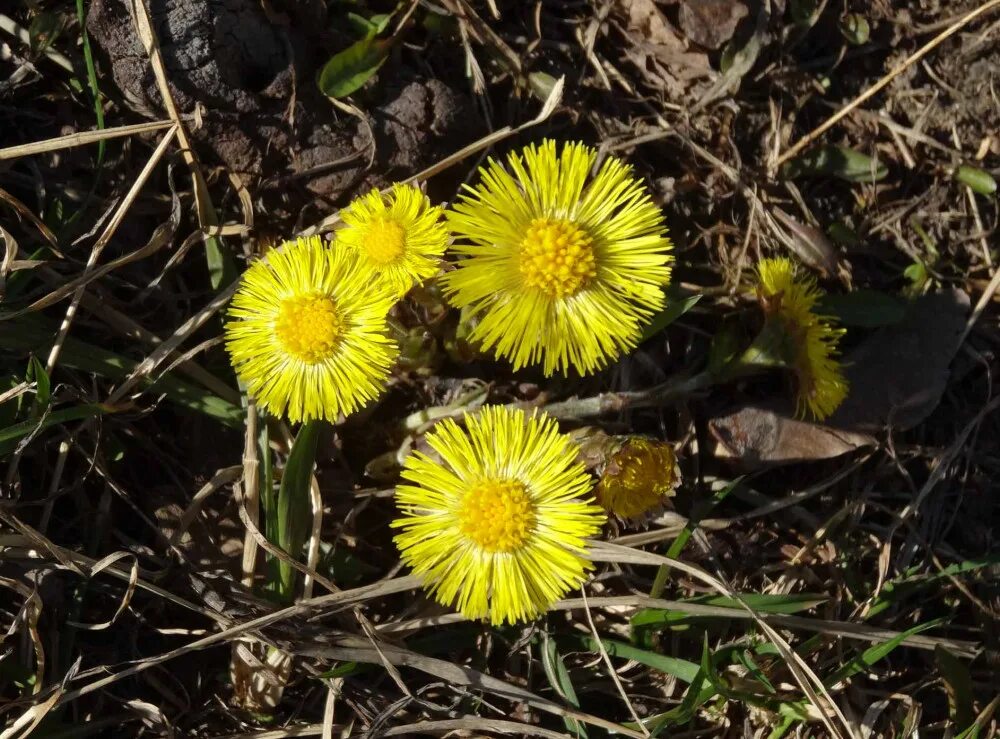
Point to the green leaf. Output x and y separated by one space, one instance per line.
958 686
674 309
855 29
682 669
864 308
896 590
876 653
294 510
724 347
344 669
836 161
981 720
10 436
43 386
44 29
843 234
347 71
762 602
558 676
33 334
980 181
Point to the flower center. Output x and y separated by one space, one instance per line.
384 241
557 257
309 326
498 515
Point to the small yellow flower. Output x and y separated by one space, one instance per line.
561 268
400 236
497 527
791 299
309 335
638 479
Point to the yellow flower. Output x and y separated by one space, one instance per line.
560 267
309 336
638 479
791 300
497 526
400 236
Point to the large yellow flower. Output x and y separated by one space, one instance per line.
309 335
400 236
813 338
559 267
497 526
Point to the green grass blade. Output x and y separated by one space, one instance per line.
12 435
33 335
558 676
876 653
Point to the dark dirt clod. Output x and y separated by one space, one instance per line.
254 86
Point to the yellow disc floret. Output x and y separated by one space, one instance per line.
309 326
557 257
384 241
498 515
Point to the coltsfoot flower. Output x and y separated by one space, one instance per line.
497 527
812 338
400 236
638 478
560 268
308 334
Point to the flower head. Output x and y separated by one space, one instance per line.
791 300
638 478
308 333
497 526
400 236
560 267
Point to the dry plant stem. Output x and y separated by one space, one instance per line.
612 673
605 403
206 215
105 237
80 139
251 493
874 89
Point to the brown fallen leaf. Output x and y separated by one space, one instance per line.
710 23
658 50
757 436
899 373
897 376
809 243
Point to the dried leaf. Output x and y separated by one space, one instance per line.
897 377
660 52
899 373
710 23
761 436
739 61
810 244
